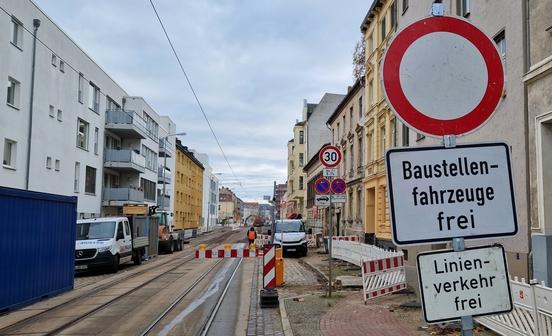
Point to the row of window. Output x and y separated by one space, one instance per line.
57 165
341 126
151 158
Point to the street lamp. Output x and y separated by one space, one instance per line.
165 139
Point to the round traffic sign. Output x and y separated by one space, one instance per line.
322 186
443 76
330 156
338 186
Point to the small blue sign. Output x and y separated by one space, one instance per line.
338 186
322 186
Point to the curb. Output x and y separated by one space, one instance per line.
286 325
316 269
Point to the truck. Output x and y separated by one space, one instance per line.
170 238
109 242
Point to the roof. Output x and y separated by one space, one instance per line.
300 123
184 150
356 87
314 158
370 15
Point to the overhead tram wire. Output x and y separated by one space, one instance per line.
195 95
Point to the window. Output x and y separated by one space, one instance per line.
383 140
351 154
371 92
59 115
151 158
82 134
112 104
383 28
81 88
360 153
343 124
370 146
54 60
404 5
17 33
10 153
90 180
344 161
12 98
333 135
61 66
351 117
76 182
370 44
338 129
301 159
360 108
300 182
149 189
463 7
48 162
405 136
51 112
96 139
57 165
301 137
393 15
93 97
151 126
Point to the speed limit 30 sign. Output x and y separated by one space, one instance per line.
330 156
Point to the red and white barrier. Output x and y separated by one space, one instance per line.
269 267
227 253
345 238
262 240
382 276
311 240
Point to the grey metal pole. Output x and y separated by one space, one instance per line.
164 175
36 24
467 321
332 210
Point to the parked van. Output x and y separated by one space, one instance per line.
108 242
291 236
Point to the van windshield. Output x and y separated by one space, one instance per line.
291 226
95 230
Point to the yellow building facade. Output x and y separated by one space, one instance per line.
379 122
188 189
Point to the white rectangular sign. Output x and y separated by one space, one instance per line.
437 193
339 198
330 172
322 201
472 282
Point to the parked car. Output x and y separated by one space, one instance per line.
291 236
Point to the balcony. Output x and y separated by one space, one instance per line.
165 148
120 196
124 160
163 206
126 124
164 178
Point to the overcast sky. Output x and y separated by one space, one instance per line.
251 62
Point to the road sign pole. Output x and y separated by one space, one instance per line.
330 238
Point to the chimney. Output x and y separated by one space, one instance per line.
349 88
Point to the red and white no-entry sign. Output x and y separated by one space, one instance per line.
330 156
443 76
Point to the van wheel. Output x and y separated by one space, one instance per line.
115 264
137 257
171 246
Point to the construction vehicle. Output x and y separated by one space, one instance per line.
170 238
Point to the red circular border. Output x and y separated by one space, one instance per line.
418 120
323 150
338 180
316 183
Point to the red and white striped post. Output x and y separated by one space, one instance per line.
269 294
269 267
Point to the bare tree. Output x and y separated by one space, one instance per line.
359 57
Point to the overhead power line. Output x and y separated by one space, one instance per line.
195 95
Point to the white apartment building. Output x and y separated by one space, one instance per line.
88 138
210 208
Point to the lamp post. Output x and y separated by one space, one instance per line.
165 139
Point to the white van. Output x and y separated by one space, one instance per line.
107 242
291 236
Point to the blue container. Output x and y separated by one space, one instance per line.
37 246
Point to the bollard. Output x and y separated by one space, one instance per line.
279 268
202 247
269 294
227 246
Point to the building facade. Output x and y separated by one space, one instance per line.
210 194
379 123
347 133
188 189
317 218
538 82
296 178
66 126
279 200
231 207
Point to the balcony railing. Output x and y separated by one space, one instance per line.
166 178
123 195
124 159
165 148
127 124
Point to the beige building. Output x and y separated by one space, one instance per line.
502 21
296 192
348 135
538 82
379 123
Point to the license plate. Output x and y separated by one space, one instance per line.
81 267
292 249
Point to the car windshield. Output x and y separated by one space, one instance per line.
291 226
95 230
